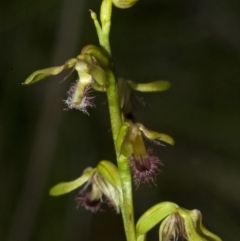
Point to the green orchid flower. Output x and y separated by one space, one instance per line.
100 184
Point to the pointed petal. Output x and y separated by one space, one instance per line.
66 187
124 3
43 73
153 135
190 228
197 219
109 172
100 55
98 74
123 142
109 191
167 228
156 86
154 215
141 237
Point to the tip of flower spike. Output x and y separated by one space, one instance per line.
93 14
145 169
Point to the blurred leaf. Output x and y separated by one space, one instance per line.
159 85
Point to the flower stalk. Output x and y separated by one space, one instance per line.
126 205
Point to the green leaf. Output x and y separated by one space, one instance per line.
43 73
66 187
154 215
153 135
156 86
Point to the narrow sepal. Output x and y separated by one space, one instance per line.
66 187
141 237
153 135
43 73
98 87
101 56
124 3
156 86
172 228
197 219
154 215
108 171
109 191
98 74
190 229
123 143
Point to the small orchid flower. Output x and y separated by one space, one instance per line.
100 184
90 66
130 143
176 223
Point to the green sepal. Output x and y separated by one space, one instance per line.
98 87
98 74
190 229
154 215
141 237
124 3
109 191
83 63
153 135
197 219
66 187
108 171
168 228
43 73
124 94
100 55
123 143
156 86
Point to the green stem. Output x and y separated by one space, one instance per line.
113 105
123 162
126 203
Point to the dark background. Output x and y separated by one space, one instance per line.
193 44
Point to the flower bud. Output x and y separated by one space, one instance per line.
124 3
